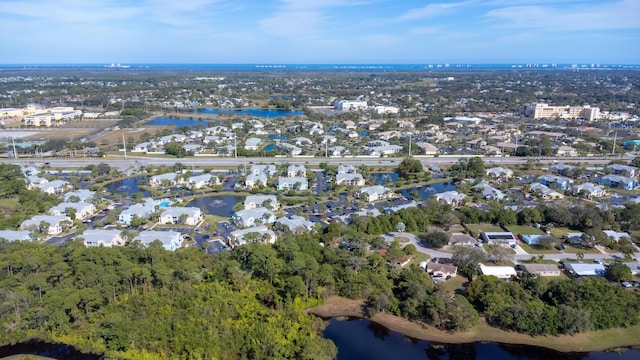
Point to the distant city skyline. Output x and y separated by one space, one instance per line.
320 31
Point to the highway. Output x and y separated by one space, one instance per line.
230 162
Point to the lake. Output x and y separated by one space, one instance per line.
220 205
265 113
178 122
128 186
362 339
55 351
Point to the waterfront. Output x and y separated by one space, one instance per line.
128 186
363 339
220 205
265 113
178 122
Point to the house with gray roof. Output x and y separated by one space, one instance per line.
82 195
251 217
544 191
617 181
374 193
462 239
170 179
55 225
105 238
293 183
296 171
289 149
295 223
498 173
256 201
561 169
55 187
559 182
591 190
142 211
624 170
337 151
585 269
346 169
252 143
82 210
615 235
540 269
172 215
452 198
203 180
16 235
268 170
259 234
350 179
488 192
254 180
170 240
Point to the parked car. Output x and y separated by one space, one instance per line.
626 285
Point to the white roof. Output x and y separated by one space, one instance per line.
501 272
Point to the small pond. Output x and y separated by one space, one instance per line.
426 191
220 205
269 147
128 186
384 178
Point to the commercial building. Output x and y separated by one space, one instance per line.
542 111
351 105
52 117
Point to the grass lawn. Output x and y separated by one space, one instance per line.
537 250
214 219
560 232
9 203
524 230
477 228
576 249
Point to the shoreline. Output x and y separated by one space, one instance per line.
601 340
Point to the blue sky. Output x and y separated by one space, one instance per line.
319 31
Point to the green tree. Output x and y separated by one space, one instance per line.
618 272
467 259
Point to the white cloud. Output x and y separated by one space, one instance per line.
431 10
616 15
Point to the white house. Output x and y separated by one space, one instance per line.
55 187
253 180
452 198
268 170
293 183
142 211
296 171
252 143
172 215
501 272
54 223
203 180
106 238
82 210
590 189
170 240
82 195
256 201
16 235
295 223
248 218
499 172
350 179
170 179
374 193
258 233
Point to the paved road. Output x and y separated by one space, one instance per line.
137 161
520 255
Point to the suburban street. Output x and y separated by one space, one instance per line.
519 256
138 161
